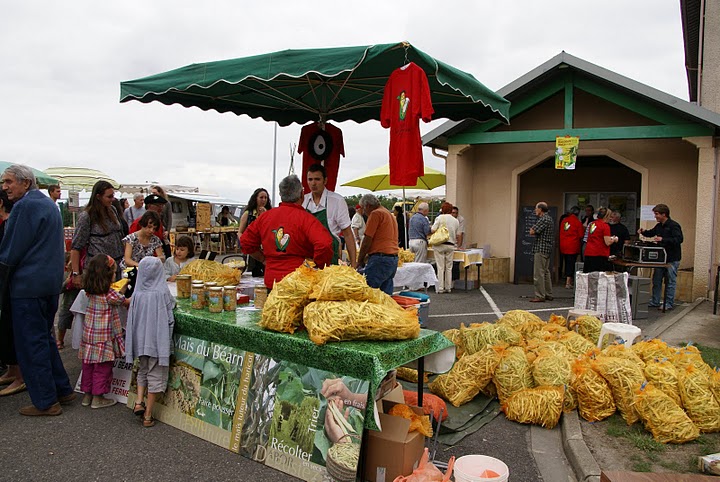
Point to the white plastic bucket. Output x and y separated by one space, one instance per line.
469 468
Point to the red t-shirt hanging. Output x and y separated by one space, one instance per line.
321 146
596 239
406 100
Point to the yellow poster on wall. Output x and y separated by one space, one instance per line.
566 152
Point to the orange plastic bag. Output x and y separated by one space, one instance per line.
427 472
418 423
430 402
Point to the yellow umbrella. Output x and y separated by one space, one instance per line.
379 180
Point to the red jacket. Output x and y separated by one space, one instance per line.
288 235
571 234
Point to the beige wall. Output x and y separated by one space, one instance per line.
709 98
487 175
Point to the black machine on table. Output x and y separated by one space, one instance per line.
644 252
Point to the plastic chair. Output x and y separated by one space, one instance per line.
628 333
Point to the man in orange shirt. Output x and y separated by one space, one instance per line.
380 245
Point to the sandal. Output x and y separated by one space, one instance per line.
139 411
60 345
148 422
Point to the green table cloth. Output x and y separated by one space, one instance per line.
365 360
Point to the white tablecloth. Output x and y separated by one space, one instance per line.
415 275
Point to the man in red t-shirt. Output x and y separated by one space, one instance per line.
380 245
571 234
156 203
285 236
597 249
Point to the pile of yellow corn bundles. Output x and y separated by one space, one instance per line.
205 270
405 256
539 369
336 304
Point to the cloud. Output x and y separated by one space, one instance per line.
63 62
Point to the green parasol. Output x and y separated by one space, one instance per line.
300 86
41 178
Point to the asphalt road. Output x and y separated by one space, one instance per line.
110 444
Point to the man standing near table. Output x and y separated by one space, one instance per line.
543 230
668 234
283 237
331 210
379 245
418 231
31 274
461 230
620 231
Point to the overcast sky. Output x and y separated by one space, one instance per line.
62 64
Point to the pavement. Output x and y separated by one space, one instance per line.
110 444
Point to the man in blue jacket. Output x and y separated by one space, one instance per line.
31 273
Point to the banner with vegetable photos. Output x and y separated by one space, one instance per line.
566 152
299 420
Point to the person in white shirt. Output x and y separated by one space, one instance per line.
358 224
461 230
135 211
331 210
54 193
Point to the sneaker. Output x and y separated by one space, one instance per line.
67 398
87 400
651 305
439 291
33 411
667 308
102 403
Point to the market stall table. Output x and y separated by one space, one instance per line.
415 276
466 258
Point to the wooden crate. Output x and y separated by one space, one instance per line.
494 270
684 285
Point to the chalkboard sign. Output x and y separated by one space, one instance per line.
524 243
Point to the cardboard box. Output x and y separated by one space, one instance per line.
709 464
393 451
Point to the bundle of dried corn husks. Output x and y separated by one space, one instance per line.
540 406
512 373
664 376
358 320
515 318
454 336
205 270
480 335
652 349
405 256
618 350
339 283
467 377
283 310
576 344
549 369
624 378
410 374
594 397
667 422
698 399
588 326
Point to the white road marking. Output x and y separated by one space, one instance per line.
494 307
493 313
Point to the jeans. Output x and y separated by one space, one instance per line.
658 275
380 271
36 351
541 275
